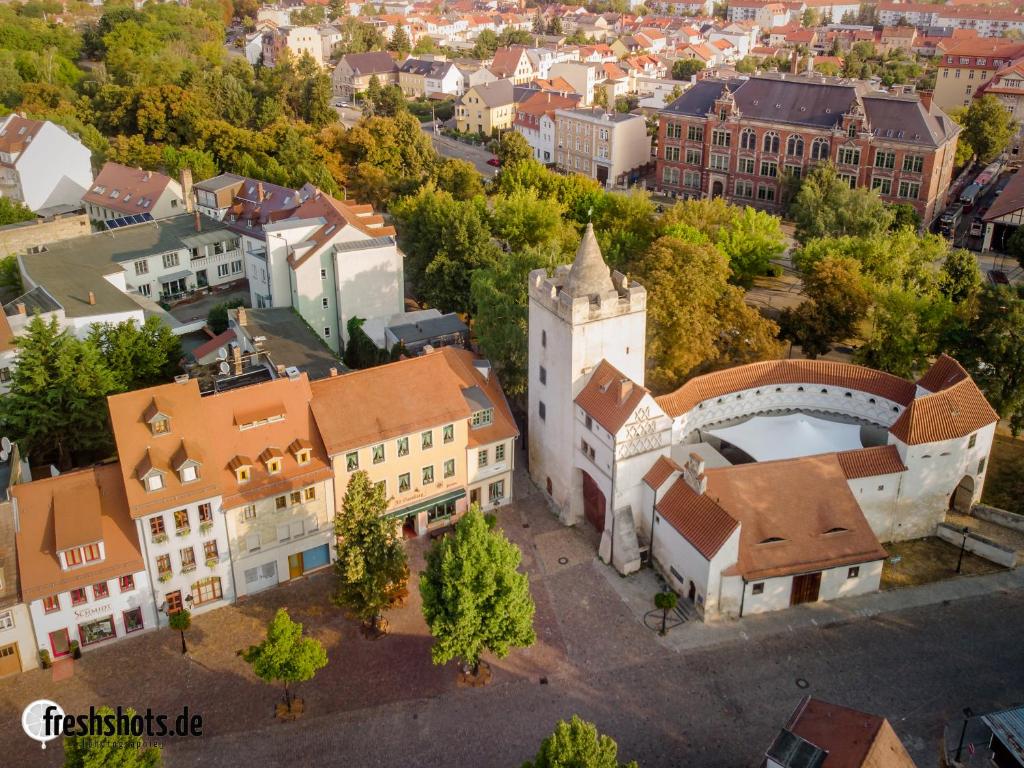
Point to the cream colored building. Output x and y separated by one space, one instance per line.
606 147
486 108
434 454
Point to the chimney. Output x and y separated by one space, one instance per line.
22 309
625 389
236 359
926 100
334 372
259 192
92 298
280 370
186 190
241 318
199 223
693 474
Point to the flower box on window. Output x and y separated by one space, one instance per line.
160 538
212 562
183 532
188 568
165 576
206 527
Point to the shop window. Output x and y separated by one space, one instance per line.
97 631
132 620
206 591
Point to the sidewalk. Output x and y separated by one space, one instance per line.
637 592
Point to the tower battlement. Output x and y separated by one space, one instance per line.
549 291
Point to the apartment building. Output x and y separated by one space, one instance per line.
354 71
82 571
119 192
298 41
41 164
276 481
171 475
608 147
964 66
737 139
433 455
486 108
1007 85
536 121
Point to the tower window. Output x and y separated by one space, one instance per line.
543 338
543 375
542 411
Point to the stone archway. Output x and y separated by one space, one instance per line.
963 495
593 502
717 189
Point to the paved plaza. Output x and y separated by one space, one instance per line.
708 696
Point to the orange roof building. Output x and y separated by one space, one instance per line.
119 191
79 560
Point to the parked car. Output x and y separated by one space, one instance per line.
496 162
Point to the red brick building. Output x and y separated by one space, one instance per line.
738 138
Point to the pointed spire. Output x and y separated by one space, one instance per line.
589 274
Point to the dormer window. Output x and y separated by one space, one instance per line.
242 467
273 466
244 474
154 481
189 473
271 459
302 450
161 426
482 418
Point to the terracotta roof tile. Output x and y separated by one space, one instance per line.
851 738
871 462
948 414
776 372
945 372
18 133
660 471
136 190
610 397
38 564
697 518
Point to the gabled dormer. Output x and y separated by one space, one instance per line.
854 121
242 467
187 461
152 479
301 450
158 417
77 529
273 460
725 106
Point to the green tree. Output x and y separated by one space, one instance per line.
56 409
399 42
577 744
474 598
825 206
500 295
285 655
459 178
750 241
684 69
960 278
988 127
371 566
10 276
486 44
838 300
665 602
181 621
138 356
217 317
906 328
317 110
12 212
905 215
810 18
511 147
358 37
521 219
1015 244
696 321
120 749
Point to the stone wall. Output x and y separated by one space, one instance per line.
17 238
978 545
999 516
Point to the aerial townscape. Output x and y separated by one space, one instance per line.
485 383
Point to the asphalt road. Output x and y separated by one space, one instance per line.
714 709
448 147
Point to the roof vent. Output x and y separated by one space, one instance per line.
292 372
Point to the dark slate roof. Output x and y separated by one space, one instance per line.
496 93
429 328
1010 199
371 63
431 69
36 300
820 104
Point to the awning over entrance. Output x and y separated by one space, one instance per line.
419 506
768 438
174 276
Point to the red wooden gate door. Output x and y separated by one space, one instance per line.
593 503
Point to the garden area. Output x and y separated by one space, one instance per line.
924 561
1004 485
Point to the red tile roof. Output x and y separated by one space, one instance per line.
660 471
126 190
610 397
852 739
871 462
944 373
775 372
697 518
948 414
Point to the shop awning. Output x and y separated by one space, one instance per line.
419 506
174 276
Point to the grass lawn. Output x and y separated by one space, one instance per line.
923 561
1004 485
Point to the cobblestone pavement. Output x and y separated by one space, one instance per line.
382 703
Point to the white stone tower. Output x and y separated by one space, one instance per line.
582 315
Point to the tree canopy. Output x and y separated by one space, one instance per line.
286 656
826 206
577 744
121 748
988 127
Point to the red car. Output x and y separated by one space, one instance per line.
494 161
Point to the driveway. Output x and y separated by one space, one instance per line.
383 703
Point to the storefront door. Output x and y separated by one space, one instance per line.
59 643
295 565
314 558
10 661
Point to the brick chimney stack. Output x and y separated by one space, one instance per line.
92 298
187 192
236 359
199 222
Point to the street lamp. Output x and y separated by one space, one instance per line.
968 714
963 545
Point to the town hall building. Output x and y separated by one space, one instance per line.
750 489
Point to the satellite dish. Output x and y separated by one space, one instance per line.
3 455
225 368
5 444
222 353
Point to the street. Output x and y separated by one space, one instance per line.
449 147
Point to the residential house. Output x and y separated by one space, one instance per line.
82 572
473 73
18 647
737 138
897 39
1007 85
615 82
433 456
41 164
582 77
298 41
964 66
429 77
354 71
276 481
609 147
486 109
701 52
171 473
535 120
830 736
512 63
120 192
